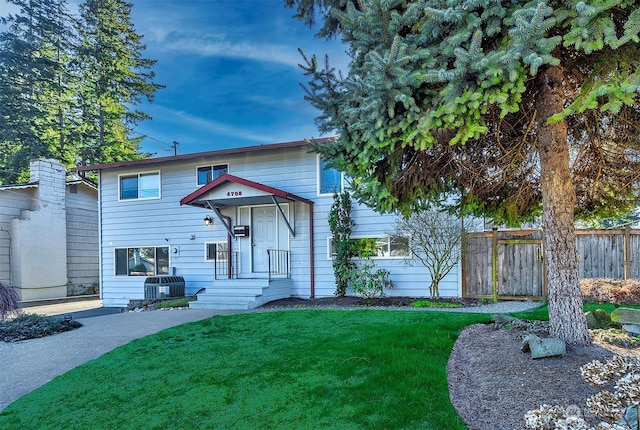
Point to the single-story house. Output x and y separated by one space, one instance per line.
240 226
49 234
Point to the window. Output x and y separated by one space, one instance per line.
144 261
376 247
216 251
329 179
140 186
207 174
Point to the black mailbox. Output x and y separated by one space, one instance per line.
241 230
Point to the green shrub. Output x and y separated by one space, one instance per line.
367 283
31 326
341 225
180 303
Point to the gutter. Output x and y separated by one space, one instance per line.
100 239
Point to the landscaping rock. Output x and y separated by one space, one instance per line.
542 348
592 322
630 418
626 316
598 318
632 329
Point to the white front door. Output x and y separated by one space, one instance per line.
264 235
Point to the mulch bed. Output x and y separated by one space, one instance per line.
351 301
492 384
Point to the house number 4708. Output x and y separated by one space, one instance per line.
234 193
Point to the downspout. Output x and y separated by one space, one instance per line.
228 220
9 256
100 241
311 253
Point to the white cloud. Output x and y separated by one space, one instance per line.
185 120
7 8
272 53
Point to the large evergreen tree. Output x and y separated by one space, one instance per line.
517 107
33 99
116 77
69 85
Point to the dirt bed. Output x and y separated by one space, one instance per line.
492 384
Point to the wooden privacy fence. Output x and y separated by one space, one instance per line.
510 264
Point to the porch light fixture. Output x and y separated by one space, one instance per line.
208 220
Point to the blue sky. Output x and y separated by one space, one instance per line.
231 73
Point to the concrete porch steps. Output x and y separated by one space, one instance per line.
241 294
228 301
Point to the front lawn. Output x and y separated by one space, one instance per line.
542 313
302 369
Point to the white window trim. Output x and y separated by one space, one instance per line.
372 236
115 263
211 242
319 175
121 175
211 166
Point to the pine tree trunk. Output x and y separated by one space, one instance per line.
101 125
566 315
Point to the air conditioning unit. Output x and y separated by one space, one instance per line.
163 286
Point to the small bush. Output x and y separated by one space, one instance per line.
9 301
611 291
367 283
180 303
31 326
154 304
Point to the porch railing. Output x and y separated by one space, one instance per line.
278 263
226 265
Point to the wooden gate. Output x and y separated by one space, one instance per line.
510 264
504 265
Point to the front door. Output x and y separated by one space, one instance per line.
263 236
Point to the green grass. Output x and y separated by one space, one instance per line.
542 313
298 369
432 304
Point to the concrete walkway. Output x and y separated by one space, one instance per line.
28 364
69 305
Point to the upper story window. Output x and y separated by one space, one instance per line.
207 174
330 180
140 186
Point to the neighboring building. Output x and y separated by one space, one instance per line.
49 234
242 226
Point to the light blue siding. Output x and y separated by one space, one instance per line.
163 222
